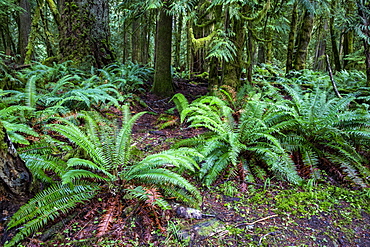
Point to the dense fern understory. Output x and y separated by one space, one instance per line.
75 133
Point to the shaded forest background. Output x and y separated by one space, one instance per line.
225 39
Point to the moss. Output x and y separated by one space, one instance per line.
2 137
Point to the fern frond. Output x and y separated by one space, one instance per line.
73 175
165 179
181 103
46 206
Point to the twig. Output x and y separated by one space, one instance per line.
270 233
332 78
254 222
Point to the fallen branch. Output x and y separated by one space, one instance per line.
254 222
332 78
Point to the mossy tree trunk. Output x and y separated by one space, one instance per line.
15 178
163 85
233 68
303 40
84 33
364 12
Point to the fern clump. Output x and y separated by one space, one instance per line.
326 133
248 134
104 162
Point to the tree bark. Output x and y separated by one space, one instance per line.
136 39
303 38
292 34
15 178
163 85
319 63
334 46
24 28
348 36
84 33
364 13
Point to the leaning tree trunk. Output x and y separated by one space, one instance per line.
303 38
163 85
84 33
15 178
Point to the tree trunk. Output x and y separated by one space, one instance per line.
292 34
15 178
319 63
24 28
233 68
34 29
334 46
303 38
163 85
84 33
348 37
136 39
364 9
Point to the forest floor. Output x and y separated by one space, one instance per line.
269 213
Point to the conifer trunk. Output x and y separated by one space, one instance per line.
292 34
163 85
364 5
24 28
84 33
303 40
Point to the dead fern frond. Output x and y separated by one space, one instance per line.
114 207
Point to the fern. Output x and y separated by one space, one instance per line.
12 118
48 205
180 101
326 128
255 135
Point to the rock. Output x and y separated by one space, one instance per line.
202 230
188 213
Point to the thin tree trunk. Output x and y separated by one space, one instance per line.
348 36
319 63
135 40
292 34
163 85
334 46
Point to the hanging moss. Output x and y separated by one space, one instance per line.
201 42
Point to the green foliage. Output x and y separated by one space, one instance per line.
47 206
325 128
106 157
13 118
181 102
128 77
250 135
222 48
